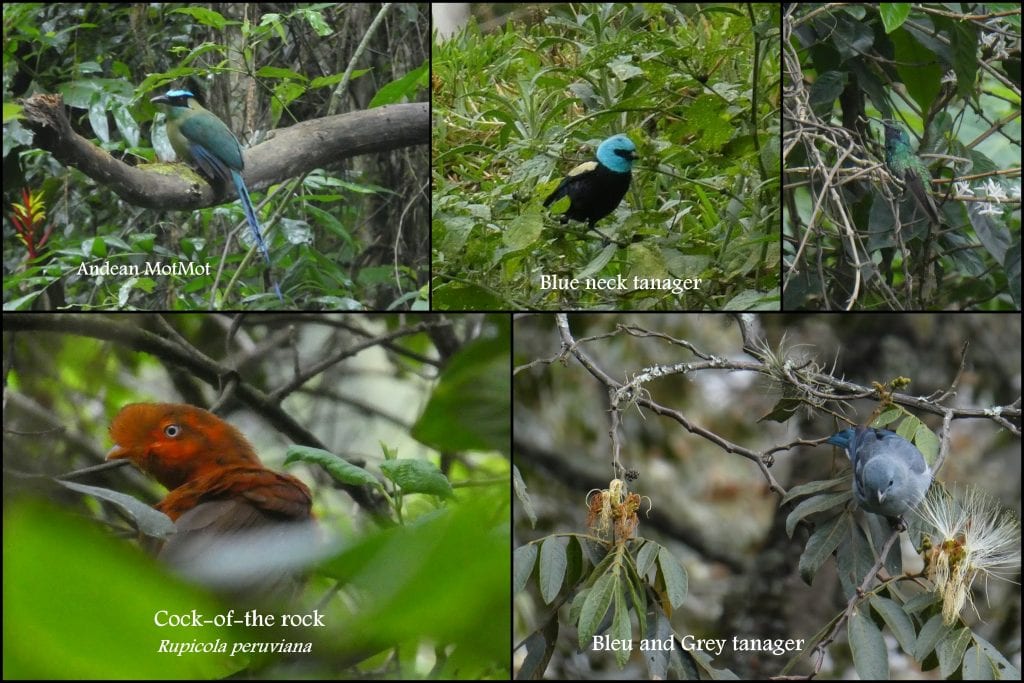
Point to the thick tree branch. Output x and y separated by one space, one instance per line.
289 152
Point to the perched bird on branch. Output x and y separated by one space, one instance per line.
909 168
238 524
595 188
890 475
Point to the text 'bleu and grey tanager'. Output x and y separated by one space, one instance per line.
890 476
203 140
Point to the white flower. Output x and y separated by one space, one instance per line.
969 537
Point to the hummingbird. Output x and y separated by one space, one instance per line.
908 167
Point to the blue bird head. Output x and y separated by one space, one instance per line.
617 154
890 476
174 98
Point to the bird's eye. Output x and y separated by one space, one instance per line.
172 430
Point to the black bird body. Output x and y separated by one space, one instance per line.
593 192
595 188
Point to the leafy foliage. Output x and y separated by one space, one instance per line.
853 236
326 229
515 109
404 533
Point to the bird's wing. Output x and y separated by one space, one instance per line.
905 452
212 134
564 188
267 490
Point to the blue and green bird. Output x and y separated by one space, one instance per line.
907 166
595 188
204 141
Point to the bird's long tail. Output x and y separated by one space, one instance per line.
250 215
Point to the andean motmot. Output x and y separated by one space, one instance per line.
203 140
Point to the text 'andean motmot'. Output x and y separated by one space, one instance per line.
203 140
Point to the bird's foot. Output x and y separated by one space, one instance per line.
898 523
608 240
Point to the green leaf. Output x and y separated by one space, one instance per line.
977 667
598 262
621 630
821 503
406 577
340 469
784 409
151 522
595 606
897 621
826 90
917 65
1005 670
854 559
525 502
908 427
524 230
523 559
919 603
802 490
887 417
646 557
469 407
931 633
820 546
894 14
417 476
675 577
951 651
539 648
73 589
552 568
868 647
402 89
927 443
205 16
573 561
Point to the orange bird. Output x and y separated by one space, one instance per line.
233 516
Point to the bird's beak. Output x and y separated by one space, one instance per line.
161 99
117 452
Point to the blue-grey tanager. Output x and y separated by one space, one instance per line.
890 476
